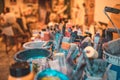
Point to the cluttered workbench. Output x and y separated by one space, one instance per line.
62 54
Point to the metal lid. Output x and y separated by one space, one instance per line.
19 69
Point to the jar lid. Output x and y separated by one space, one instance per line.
19 69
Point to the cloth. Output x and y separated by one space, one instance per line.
10 17
8 31
113 47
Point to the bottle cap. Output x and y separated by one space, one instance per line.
19 69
